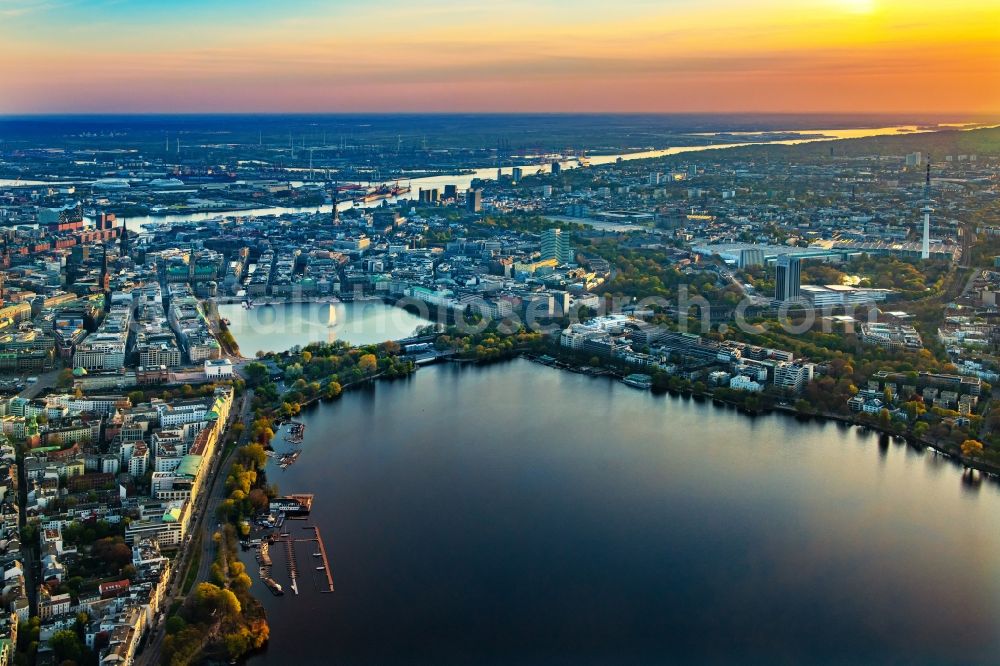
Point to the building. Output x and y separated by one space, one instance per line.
894 337
787 278
556 245
219 368
751 256
474 200
832 295
744 383
792 376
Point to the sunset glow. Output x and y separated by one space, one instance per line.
634 55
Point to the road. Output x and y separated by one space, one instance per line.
204 525
45 381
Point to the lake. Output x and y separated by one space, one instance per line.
517 514
282 326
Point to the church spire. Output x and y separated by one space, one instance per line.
123 239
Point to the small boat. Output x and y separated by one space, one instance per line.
317 554
320 568
274 586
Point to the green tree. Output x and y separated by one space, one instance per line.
175 624
256 374
67 646
65 379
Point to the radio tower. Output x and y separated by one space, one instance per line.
925 248
335 216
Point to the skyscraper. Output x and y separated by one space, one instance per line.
787 278
474 200
556 245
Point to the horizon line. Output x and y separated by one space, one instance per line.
84 114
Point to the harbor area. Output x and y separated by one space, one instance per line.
290 553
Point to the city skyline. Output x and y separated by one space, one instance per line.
848 56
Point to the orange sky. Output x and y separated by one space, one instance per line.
545 55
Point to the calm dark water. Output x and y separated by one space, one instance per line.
517 514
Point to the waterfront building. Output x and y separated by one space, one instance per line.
793 376
744 383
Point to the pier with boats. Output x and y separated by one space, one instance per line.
294 436
281 525
296 432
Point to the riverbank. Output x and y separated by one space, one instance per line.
460 484
282 408
944 449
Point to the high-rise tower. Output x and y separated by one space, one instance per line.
556 245
925 247
787 278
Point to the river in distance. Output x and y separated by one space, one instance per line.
517 514
281 326
464 180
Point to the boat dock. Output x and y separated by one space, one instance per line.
293 569
299 504
326 562
264 571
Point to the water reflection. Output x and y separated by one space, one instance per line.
972 479
518 514
282 326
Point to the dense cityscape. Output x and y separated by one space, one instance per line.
536 333
853 280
